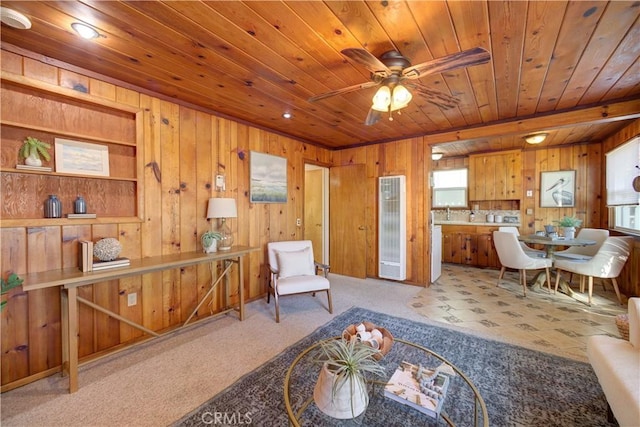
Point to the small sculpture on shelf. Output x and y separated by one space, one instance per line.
33 150
107 249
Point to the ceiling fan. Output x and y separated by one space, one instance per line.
392 70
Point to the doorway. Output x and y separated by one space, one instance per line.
316 210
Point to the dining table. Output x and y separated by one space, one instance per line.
550 245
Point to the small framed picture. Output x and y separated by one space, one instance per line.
557 189
81 158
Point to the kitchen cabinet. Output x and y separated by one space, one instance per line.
495 176
47 112
469 245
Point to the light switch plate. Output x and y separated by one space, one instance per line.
529 211
132 299
529 193
220 182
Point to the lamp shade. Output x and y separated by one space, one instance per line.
382 99
401 97
222 208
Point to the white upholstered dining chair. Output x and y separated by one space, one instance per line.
527 249
294 271
512 255
607 263
599 235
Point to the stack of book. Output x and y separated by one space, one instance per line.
34 168
421 388
87 262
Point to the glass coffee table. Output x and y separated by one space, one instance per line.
463 404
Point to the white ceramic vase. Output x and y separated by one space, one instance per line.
346 400
569 233
33 161
213 247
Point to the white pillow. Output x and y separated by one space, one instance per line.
295 263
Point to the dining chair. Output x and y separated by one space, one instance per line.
512 255
294 271
605 264
599 235
527 249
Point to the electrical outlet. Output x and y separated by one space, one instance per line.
529 211
298 222
132 299
529 193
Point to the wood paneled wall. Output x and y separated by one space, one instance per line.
190 147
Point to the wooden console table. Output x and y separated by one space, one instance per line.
71 278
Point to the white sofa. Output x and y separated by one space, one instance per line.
616 362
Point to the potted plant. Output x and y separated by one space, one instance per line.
569 225
341 389
210 241
13 281
33 149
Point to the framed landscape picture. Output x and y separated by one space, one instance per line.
557 189
81 158
268 178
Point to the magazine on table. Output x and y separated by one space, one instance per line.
421 388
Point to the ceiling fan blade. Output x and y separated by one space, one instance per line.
437 98
343 91
466 58
372 117
366 59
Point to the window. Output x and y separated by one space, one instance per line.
450 188
624 202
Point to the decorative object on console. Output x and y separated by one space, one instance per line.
107 249
223 208
341 389
209 241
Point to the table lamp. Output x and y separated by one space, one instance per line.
222 208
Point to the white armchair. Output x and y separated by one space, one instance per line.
294 271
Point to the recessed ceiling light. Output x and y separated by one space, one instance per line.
536 138
85 31
14 19
287 115
436 156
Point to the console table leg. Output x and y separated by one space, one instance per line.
70 336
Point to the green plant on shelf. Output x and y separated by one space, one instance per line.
13 281
33 150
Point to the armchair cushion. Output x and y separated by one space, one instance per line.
295 263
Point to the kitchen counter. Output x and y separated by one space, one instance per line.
475 223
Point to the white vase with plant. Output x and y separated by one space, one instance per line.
569 225
341 389
33 149
210 241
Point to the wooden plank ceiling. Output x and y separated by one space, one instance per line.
571 69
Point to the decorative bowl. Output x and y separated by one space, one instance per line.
350 332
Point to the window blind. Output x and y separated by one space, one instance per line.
621 170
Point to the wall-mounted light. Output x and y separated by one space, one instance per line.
536 138
436 156
85 31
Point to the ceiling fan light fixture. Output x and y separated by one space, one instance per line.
536 138
401 97
85 31
382 99
436 156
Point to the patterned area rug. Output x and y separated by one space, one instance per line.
521 387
